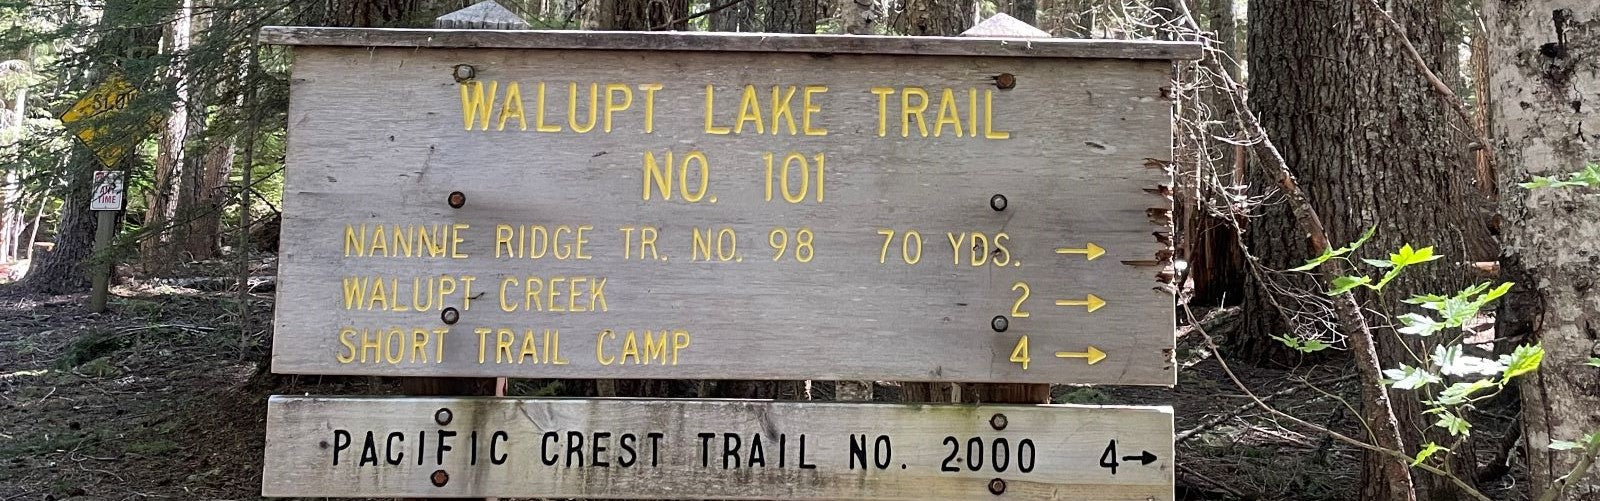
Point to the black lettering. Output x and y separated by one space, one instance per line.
600 448
389 449
472 456
974 444
1025 455
705 449
655 447
858 451
574 447
443 447
341 441
881 452
629 456
545 442
369 451
758 457
493 441
1000 451
422 441
802 460
730 449
955 447
782 442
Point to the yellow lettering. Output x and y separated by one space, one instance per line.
749 111
513 107
612 106
504 306
483 342
807 108
349 346
710 108
782 110
883 94
538 112
351 238
474 107
572 107
947 114
652 170
534 286
649 105
680 340
988 118
907 110
600 347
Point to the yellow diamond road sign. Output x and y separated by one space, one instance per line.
97 108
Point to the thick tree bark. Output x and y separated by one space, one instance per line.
932 18
1545 78
791 16
643 15
1372 145
158 251
858 17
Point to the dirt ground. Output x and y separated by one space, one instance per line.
164 397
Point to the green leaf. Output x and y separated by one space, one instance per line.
1564 445
1521 361
1460 393
1427 452
1408 256
1343 284
1378 263
1454 424
1424 298
1419 325
1303 346
1594 362
1332 253
1314 262
1410 378
1588 177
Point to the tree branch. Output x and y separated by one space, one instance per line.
697 15
1445 93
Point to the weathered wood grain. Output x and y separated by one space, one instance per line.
731 42
376 138
1068 444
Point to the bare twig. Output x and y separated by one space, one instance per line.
696 15
1218 419
1578 471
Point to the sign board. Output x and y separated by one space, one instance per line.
91 115
588 205
688 449
108 190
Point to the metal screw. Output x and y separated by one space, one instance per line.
997 487
450 316
997 202
998 422
1005 81
443 416
457 199
1000 323
463 72
440 477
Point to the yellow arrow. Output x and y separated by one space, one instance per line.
1090 251
1093 302
1093 355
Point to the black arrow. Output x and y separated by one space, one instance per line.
1145 458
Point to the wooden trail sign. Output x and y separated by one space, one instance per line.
712 449
626 205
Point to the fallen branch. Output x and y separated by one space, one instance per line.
1218 419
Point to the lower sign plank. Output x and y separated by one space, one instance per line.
713 449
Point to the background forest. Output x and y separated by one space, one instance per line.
1406 187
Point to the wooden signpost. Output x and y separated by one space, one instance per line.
709 449
511 203
744 207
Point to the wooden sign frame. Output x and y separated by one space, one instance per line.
1041 214
712 449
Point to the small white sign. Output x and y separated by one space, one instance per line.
108 188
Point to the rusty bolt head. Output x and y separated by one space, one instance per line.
450 316
1000 323
998 421
463 72
443 416
998 202
997 487
1005 81
439 478
457 199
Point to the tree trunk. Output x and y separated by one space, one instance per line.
162 224
125 30
642 15
1026 11
1371 145
932 18
858 17
1544 60
791 16
61 270
12 219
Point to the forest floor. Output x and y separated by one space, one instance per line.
164 397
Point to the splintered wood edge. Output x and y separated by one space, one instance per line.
731 42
